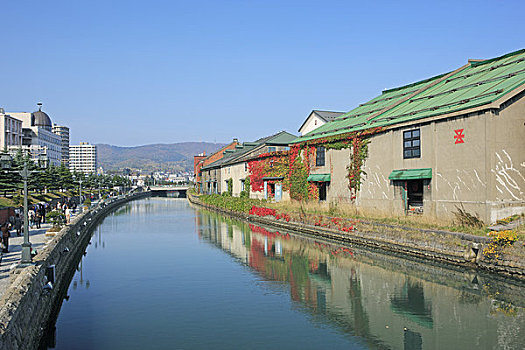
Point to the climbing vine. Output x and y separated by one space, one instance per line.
298 179
295 165
246 192
273 164
230 186
313 191
357 159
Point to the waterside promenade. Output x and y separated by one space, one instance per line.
38 238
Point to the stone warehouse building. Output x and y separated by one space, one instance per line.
453 140
204 184
233 168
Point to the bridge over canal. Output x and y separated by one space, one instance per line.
170 191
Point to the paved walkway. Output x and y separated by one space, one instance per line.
10 260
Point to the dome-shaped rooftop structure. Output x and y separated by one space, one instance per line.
41 119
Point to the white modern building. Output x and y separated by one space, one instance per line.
83 158
63 132
10 131
38 136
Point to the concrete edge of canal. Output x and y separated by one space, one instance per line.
28 305
442 246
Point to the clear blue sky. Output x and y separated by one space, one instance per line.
140 72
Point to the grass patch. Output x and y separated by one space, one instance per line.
349 211
6 202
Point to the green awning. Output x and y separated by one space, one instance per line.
319 178
411 174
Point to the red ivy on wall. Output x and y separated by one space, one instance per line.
313 191
283 163
274 164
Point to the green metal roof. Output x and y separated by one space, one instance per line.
233 155
319 178
281 138
411 174
477 84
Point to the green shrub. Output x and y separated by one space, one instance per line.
242 205
56 218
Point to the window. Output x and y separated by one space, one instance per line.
245 166
319 159
411 144
271 149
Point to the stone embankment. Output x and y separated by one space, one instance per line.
30 301
435 245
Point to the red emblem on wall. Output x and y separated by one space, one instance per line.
459 136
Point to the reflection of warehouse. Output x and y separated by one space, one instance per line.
365 298
456 139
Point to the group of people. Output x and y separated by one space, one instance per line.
67 208
37 214
36 217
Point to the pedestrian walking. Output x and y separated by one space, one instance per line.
38 219
42 213
68 215
31 215
5 236
18 224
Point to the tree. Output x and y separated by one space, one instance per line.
8 180
65 177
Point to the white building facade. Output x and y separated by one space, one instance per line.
83 158
63 132
10 131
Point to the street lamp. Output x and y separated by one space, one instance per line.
80 180
5 161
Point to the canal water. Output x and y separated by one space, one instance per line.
160 274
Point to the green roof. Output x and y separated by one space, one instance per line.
281 138
411 174
319 178
474 85
233 155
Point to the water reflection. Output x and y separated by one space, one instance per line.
385 301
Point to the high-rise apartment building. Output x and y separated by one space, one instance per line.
83 158
63 132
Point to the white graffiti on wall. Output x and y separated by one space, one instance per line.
376 183
464 181
507 176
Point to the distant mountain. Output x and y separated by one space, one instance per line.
173 157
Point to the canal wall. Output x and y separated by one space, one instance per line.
29 303
450 247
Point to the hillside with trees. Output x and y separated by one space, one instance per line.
175 157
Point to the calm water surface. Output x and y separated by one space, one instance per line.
160 274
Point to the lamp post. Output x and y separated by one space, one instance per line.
5 161
80 180
98 183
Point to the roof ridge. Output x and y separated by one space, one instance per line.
415 83
481 62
